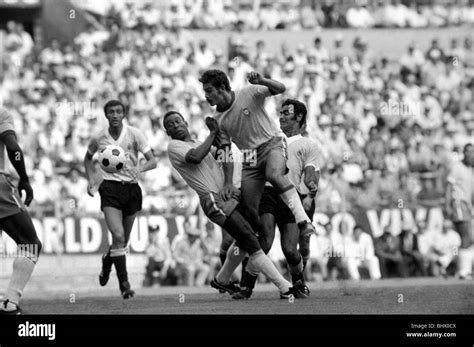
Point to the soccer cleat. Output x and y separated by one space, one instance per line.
293 291
230 288
4 310
306 229
126 290
243 294
302 288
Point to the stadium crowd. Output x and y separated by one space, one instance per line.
388 128
289 14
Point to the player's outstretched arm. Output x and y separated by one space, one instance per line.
275 87
15 154
196 155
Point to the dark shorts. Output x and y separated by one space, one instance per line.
126 197
10 201
272 203
254 164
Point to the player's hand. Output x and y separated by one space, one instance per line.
25 185
91 189
211 123
134 171
254 77
307 202
228 192
313 187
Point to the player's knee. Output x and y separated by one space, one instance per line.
291 254
118 241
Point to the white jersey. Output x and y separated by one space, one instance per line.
302 152
131 140
6 124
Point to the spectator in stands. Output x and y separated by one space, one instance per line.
413 260
336 265
387 249
160 260
361 254
444 250
189 256
212 245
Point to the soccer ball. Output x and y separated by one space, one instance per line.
112 159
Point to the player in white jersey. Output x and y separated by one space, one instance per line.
460 198
243 120
120 194
201 171
14 218
303 158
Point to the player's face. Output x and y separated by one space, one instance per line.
176 127
115 115
212 94
288 119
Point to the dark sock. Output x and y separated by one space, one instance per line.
297 277
107 261
244 266
248 280
120 263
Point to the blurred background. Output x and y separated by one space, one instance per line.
388 85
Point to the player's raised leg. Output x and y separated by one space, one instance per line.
275 174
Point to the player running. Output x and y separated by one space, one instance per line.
243 120
14 218
120 194
202 172
304 175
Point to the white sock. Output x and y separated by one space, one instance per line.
465 262
292 200
22 269
259 262
234 257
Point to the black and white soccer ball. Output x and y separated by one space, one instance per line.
112 158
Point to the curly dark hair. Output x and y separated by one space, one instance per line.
300 108
217 78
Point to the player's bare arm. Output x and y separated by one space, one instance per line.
196 155
275 87
149 165
89 166
15 154
311 181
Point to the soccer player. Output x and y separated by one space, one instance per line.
120 194
304 175
202 172
14 218
459 198
243 120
